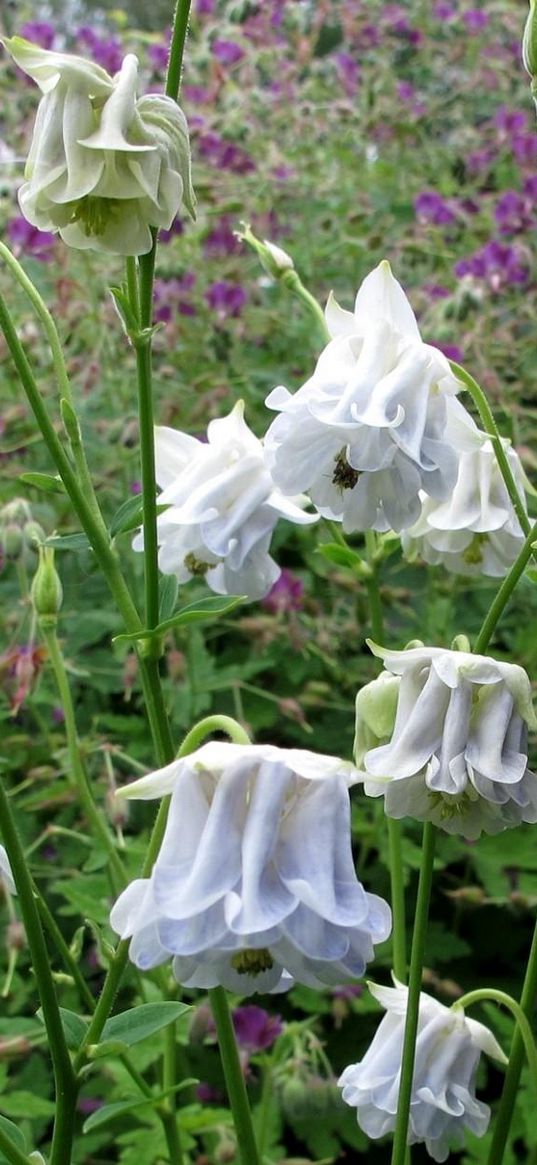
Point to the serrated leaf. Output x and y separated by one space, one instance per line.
74 1027
209 608
44 481
131 1027
76 542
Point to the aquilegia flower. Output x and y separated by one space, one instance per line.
222 508
457 753
367 431
104 166
443 1103
254 885
476 531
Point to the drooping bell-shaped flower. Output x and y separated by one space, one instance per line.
476 531
104 166
367 431
443 1103
457 754
254 886
222 508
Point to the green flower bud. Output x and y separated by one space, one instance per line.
376 705
34 535
274 259
46 590
12 542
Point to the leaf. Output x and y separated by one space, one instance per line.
168 588
209 608
129 516
140 1022
76 542
14 1134
108 1111
44 481
341 555
74 1027
26 1104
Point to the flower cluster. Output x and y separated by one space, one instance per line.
454 727
222 507
254 885
443 1102
104 166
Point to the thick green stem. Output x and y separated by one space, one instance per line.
506 1108
483 994
504 594
234 1077
77 768
414 990
177 48
64 1076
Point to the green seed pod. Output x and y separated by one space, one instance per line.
46 590
11 541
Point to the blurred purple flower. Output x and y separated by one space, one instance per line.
225 155
206 1094
480 161
158 55
524 148
435 291
171 297
255 1029
39 32
450 350
513 213
497 264
225 298
58 715
286 594
204 7
348 72
444 12
405 91
510 121
530 186
88 1104
475 20
136 488
28 240
176 228
347 991
227 52
432 208
368 37
106 51
221 240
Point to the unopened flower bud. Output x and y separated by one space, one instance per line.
34 535
376 706
529 45
12 541
274 259
47 592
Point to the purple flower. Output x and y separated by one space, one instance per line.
450 350
525 148
405 91
475 20
497 264
176 228
368 37
28 240
480 162
225 298
432 208
225 155
58 715
136 488
348 72
530 186
221 240
227 52
510 121
444 12
255 1029
106 51
88 1104
206 1094
513 213
435 291
39 32
171 297
205 7
286 594
158 55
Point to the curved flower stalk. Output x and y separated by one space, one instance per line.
367 431
443 1103
457 752
222 508
476 531
254 886
104 166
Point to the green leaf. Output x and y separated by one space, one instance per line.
26 1104
129 516
14 1134
209 608
140 1022
109 1111
44 481
341 555
74 1027
77 542
168 588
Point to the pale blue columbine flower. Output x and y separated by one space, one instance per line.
476 531
456 752
222 508
368 430
104 166
443 1102
254 886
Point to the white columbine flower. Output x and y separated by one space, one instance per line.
476 531
443 1102
6 874
254 885
367 431
223 507
458 751
104 166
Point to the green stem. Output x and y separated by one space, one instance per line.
414 990
105 1001
77 768
506 1107
46 319
64 1076
168 1114
504 594
71 965
211 724
234 1077
501 997
11 1151
149 491
177 48
291 279
491 428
